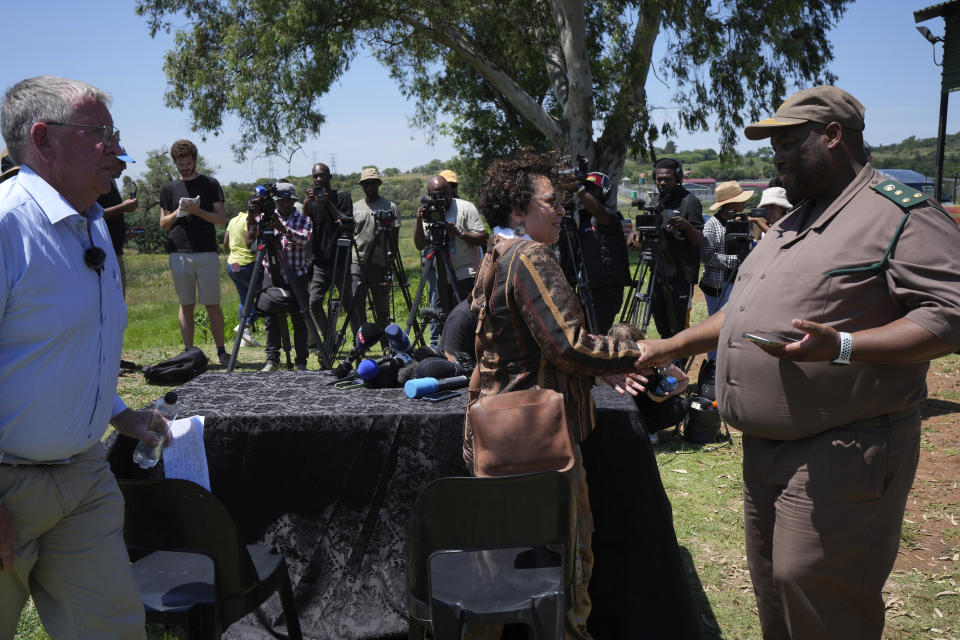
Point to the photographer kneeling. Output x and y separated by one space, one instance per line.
294 230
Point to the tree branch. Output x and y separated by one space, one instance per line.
457 41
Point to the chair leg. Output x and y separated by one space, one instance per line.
416 630
289 605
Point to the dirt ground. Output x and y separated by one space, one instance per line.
931 538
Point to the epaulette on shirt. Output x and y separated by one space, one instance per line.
904 196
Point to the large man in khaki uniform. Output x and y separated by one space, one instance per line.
865 275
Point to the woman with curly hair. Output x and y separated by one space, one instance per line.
532 332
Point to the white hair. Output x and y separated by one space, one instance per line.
39 99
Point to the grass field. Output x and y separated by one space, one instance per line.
703 482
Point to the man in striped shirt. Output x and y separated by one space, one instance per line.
294 230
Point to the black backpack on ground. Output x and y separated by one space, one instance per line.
180 368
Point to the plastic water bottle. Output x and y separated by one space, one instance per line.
144 455
665 383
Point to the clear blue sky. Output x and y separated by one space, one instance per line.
879 57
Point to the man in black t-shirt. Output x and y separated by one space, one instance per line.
331 212
682 216
189 208
114 206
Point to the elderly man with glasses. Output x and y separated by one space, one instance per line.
62 318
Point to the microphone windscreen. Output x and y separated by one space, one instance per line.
419 387
397 339
437 368
368 369
368 335
407 372
387 377
426 351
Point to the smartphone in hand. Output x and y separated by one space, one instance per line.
768 338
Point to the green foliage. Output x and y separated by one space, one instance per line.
523 73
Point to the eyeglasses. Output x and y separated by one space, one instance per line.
108 134
552 200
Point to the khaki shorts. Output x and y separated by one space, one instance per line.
196 277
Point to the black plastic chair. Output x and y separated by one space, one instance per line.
477 553
191 565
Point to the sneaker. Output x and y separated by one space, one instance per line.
654 438
270 366
248 340
224 358
236 328
301 367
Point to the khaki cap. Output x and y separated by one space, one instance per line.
824 104
728 192
370 173
448 175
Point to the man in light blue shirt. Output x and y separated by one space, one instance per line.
62 318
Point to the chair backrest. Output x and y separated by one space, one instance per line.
484 513
179 515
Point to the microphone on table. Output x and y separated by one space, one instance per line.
397 339
419 387
367 335
368 369
438 368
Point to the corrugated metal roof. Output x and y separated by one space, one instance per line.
937 10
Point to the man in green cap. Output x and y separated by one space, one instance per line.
845 301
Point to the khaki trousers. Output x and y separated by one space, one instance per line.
822 519
70 554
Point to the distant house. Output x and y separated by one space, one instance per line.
703 188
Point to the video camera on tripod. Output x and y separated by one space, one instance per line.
385 217
435 218
738 239
265 201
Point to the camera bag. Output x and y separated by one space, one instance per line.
702 423
180 368
277 300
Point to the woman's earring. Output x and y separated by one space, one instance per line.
520 231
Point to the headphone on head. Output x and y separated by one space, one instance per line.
669 163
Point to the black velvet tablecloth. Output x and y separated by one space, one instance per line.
329 477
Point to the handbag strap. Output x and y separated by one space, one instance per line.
489 279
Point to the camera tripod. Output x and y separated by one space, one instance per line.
341 279
437 250
385 243
570 232
649 281
268 245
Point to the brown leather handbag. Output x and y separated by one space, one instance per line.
520 432
517 431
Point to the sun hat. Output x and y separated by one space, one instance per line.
823 104
449 176
370 173
728 192
776 196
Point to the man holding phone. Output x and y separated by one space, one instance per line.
864 274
